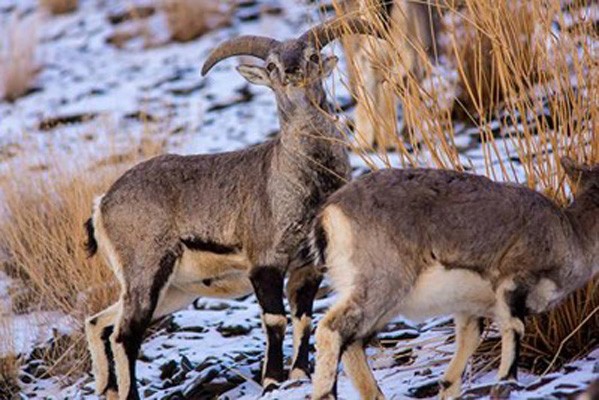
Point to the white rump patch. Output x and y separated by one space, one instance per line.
339 249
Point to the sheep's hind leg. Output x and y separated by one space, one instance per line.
139 302
356 366
346 322
98 329
268 286
509 314
467 331
302 286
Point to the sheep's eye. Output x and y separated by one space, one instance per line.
314 58
270 67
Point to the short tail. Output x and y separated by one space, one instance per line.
313 250
91 245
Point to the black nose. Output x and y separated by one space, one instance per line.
292 70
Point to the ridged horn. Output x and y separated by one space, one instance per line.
323 34
249 45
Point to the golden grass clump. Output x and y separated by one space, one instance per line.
42 236
189 19
18 66
488 42
60 6
531 93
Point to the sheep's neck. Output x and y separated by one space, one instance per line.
583 214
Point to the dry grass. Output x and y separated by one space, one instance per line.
189 19
18 67
42 236
59 6
509 65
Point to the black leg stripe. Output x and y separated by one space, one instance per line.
513 371
268 286
305 297
303 353
481 326
111 383
274 367
445 384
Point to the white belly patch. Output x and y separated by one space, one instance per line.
440 291
213 275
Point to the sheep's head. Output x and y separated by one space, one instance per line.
293 69
585 178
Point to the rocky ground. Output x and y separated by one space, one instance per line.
97 91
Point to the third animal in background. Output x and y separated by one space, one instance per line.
411 28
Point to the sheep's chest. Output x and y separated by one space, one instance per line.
213 275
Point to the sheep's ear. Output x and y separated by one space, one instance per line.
329 65
575 171
254 74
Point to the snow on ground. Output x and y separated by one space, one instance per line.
109 98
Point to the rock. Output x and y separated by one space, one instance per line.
186 89
202 304
141 116
168 369
47 124
177 395
127 11
208 362
244 95
393 337
186 364
503 390
538 384
26 378
233 329
424 390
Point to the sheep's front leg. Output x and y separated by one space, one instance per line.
356 366
467 331
268 286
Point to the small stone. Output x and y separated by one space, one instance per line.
168 369
425 389
201 304
186 364
424 372
194 329
503 390
234 330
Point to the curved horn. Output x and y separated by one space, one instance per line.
249 45
323 34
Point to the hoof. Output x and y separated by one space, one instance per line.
269 385
503 390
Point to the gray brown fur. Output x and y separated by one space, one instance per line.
509 249
177 227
